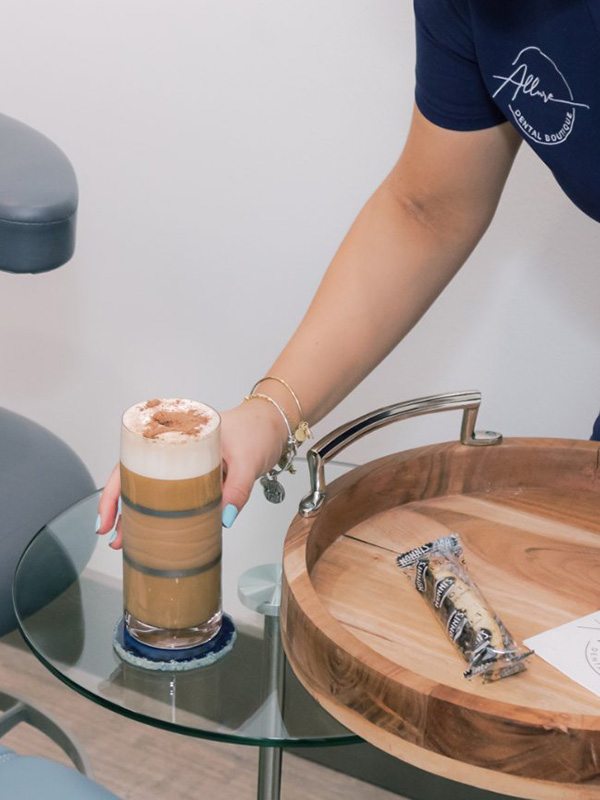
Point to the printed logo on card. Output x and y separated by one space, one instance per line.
592 654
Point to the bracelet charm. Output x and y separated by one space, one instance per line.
302 432
274 491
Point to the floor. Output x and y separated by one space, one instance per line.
138 762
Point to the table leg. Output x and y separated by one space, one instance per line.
270 758
260 590
269 773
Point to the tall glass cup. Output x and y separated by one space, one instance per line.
171 522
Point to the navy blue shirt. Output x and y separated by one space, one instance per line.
535 63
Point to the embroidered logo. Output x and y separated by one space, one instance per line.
541 101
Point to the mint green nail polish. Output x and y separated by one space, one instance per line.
230 512
112 537
98 523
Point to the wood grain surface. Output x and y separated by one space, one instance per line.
366 645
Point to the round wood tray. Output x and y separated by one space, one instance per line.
369 649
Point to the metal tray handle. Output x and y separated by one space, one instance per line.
332 444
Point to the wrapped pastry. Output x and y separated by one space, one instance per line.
439 573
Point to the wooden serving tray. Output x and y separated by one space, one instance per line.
365 644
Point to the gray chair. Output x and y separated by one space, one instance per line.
30 778
38 200
40 475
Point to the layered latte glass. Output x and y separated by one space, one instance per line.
171 522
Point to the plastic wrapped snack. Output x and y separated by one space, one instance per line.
439 572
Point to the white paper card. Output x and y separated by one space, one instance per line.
574 649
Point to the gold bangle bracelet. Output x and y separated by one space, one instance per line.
258 396
302 432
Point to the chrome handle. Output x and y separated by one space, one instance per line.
332 444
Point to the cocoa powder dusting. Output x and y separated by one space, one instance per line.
152 404
187 422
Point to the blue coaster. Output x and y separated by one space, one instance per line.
167 660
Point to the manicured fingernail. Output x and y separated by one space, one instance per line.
98 523
112 537
230 512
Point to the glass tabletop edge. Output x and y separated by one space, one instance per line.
319 741
153 722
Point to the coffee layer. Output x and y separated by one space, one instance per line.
180 543
188 494
173 604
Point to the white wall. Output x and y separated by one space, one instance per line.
222 150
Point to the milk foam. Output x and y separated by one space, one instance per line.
172 455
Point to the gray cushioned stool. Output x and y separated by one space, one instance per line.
40 475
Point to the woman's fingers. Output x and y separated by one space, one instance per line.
236 491
108 508
116 537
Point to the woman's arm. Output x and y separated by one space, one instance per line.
408 241
406 244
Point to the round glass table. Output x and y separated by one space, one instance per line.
68 611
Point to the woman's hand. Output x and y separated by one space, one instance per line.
252 439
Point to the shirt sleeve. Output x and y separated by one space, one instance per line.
450 90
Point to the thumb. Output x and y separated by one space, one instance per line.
236 491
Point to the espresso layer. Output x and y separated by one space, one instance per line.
170 573
170 603
189 512
185 495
